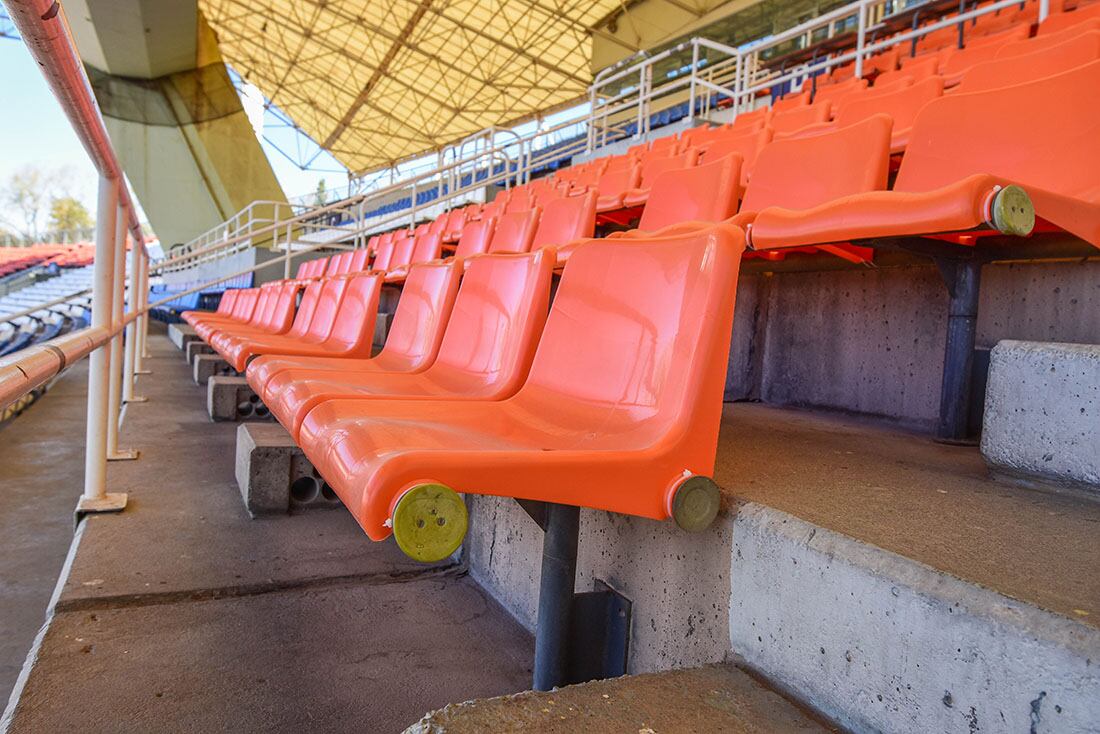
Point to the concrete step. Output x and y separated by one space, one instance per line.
883 580
715 698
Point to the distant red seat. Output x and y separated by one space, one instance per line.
1007 70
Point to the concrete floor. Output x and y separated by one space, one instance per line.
927 501
41 477
183 614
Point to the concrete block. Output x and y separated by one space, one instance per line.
1042 412
881 643
194 348
181 335
273 474
231 398
206 366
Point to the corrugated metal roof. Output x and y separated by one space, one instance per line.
375 82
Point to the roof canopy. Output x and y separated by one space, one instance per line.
375 81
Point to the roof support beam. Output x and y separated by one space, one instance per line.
379 72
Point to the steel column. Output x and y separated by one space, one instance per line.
128 385
114 393
963 278
143 320
96 497
559 574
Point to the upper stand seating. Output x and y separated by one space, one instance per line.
485 352
973 162
620 410
1026 63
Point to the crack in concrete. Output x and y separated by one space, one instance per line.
131 601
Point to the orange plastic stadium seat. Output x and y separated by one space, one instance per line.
688 198
566 219
225 307
1005 71
359 258
475 237
1038 43
303 270
1064 21
748 146
956 63
484 354
913 68
413 340
350 332
801 117
840 92
788 102
246 308
613 185
654 166
969 157
903 105
276 317
456 220
515 231
620 410
402 253
427 246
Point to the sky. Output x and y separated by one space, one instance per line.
35 132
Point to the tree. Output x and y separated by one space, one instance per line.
68 214
25 198
322 193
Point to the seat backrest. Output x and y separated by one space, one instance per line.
475 237
225 303
438 224
669 143
246 304
429 246
654 166
402 253
496 322
840 92
456 220
343 265
903 104
1038 43
751 121
566 219
748 146
331 265
422 314
324 316
514 232
353 327
359 260
383 255
615 182
1006 71
303 270
282 313
1062 21
913 67
521 200
706 193
790 101
803 172
1043 133
800 117
306 309
635 347
265 304
980 49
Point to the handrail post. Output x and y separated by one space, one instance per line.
1044 10
114 393
694 71
128 395
143 327
95 497
861 38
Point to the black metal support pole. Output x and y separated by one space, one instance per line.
559 573
963 278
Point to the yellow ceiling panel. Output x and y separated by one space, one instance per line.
376 81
